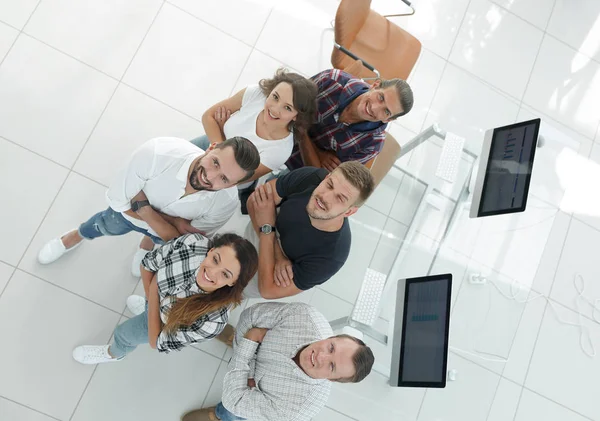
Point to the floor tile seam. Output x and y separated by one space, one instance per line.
478 78
133 56
481 80
14 270
570 47
341 413
63 53
557 403
211 383
487 417
10 25
535 60
537 336
31 15
507 10
212 25
10 48
29 407
16 143
231 93
518 102
108 342
333 295
63 289
117 85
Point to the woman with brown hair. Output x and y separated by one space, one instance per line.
191 283
270 115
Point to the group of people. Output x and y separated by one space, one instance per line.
320 134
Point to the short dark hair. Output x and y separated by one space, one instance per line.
305 93
360 177
405 94
245 153
362 359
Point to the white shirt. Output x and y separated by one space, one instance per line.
160 168
273 153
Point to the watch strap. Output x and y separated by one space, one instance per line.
135 206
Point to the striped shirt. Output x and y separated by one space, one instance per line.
176 264
283 391
351 142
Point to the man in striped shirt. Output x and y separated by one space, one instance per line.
351 119
284 360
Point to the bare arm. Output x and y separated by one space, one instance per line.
261 208
154 322
157 222
147 277
165 230
214 128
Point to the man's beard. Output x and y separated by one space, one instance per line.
325 217
194 178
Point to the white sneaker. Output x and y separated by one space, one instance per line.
93 354
136 304
137 261
54 250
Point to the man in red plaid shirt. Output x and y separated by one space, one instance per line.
351 121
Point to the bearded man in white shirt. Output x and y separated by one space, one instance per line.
170 187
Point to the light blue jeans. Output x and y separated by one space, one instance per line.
224 415
202 142
129 334
109 222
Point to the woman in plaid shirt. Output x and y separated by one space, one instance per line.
191 283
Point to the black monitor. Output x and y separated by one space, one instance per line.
421 329
504 172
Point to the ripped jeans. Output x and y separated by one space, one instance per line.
109 222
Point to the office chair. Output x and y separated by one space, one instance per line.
385 49
367 45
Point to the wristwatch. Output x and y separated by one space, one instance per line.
136 206
267 229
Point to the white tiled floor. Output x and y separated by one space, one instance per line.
83 82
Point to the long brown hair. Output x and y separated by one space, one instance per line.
186 311
305 93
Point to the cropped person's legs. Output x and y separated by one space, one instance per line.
211 414
224 415
106 222
127 337
146 245
129 334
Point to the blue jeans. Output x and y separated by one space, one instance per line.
202 142
109 222
224 415
281 173
129 334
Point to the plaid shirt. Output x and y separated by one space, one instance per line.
351 142
283 391
176 264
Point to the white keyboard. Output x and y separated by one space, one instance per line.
366 308
447 168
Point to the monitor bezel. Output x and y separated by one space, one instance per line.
408 282
537 123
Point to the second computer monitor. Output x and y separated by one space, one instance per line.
504 171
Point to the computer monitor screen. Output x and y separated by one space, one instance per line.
505 169
423 339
